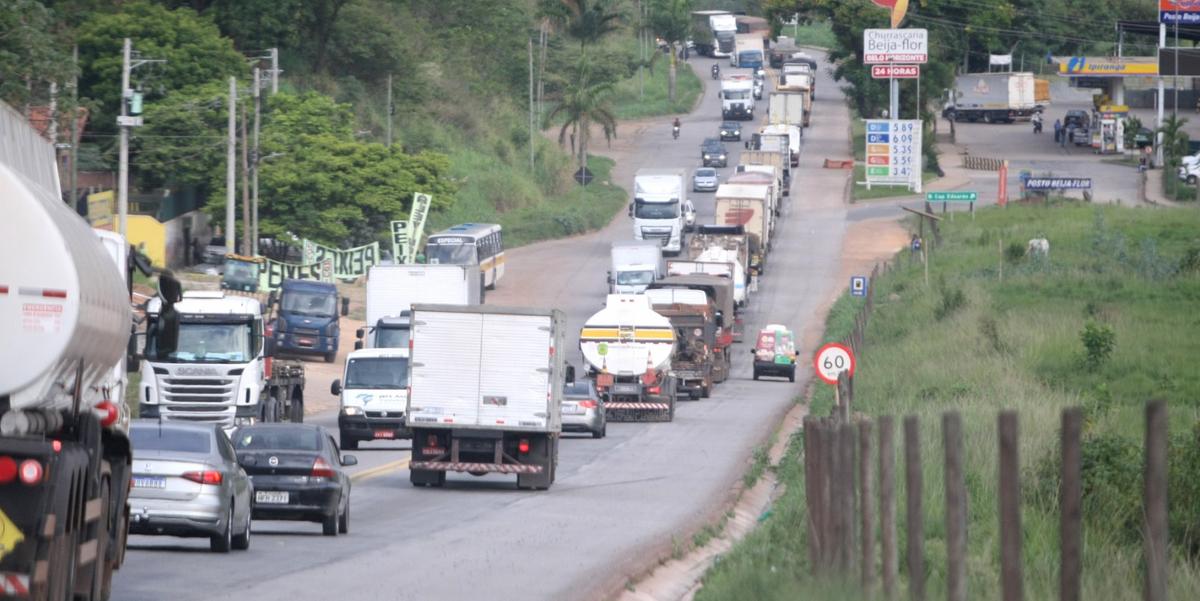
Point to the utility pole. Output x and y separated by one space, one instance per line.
1158 146
123 152
274 71
390 111
531 127
74 124
231 169
245 186
254 165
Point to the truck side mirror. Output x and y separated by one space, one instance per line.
335 387
345 306
570 376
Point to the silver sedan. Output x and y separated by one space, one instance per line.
187 482
582 410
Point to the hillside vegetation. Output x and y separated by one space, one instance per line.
1107 321
459 119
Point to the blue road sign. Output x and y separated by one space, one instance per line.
858 285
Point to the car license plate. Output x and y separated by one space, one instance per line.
385 434
305 341
571 410
271 497
149 482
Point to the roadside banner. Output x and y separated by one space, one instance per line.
416 224
400 241
273 273
348 264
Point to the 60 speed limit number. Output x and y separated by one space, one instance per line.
831 360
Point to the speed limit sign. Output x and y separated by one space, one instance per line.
833 359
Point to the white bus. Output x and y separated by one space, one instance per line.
470 244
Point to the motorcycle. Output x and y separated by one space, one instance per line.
675 132
716 72
1037 126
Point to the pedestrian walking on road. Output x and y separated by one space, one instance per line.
1057 130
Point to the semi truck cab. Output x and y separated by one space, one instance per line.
306 319
216 369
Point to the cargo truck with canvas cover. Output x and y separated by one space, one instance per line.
719 291
701 344
747 205
485 389
719 262
731 238
774 158
629 348
392 290
65 321
657 208
761 178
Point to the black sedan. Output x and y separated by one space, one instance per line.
731 130
297 474
713 153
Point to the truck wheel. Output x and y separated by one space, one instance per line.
756 373
296 411
63 558
331 356
671 409
706 390
270 408
102 568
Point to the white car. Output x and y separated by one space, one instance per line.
689 216
1189 169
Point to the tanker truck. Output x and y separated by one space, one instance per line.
65 321
628 348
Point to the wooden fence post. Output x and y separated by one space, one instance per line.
887 506
848 501
810 490
914 484
1011 580
867 523
1156 501
1070 496
956 508
828 498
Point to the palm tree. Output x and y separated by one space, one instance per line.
585 101
585 20
671 21
1175 140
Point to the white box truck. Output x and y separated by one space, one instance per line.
657 207
787 108
392 290
991 97
485 389
635 265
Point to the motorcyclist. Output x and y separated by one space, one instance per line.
1037 123
675 127
716 71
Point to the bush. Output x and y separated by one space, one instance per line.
1014 252
1098 343
952 300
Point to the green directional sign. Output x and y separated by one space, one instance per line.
951 196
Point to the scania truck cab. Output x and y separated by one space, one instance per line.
374 396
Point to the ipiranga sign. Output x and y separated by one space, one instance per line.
895 46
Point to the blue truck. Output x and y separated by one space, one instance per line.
306 319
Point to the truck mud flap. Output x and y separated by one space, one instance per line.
499 468
638 412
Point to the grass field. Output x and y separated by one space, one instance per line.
816 33
571 210
632 101
970 342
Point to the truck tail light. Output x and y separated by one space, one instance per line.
31 472
321 469
523 445
212 477
8 469
653 390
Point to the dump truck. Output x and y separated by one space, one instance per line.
485 389
719 291
66 324
629 349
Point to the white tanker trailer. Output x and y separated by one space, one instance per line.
65 322
628 348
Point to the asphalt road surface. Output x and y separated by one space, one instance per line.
618 502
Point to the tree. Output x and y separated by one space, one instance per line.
184 138
29 51
193 48
1175 141
671 21
585 101
587 21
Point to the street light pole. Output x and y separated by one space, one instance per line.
231 169
254 166
123 152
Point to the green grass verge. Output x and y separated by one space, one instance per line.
1177 190
633 101
571 210
973 343
816 33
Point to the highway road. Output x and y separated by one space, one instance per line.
619 503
